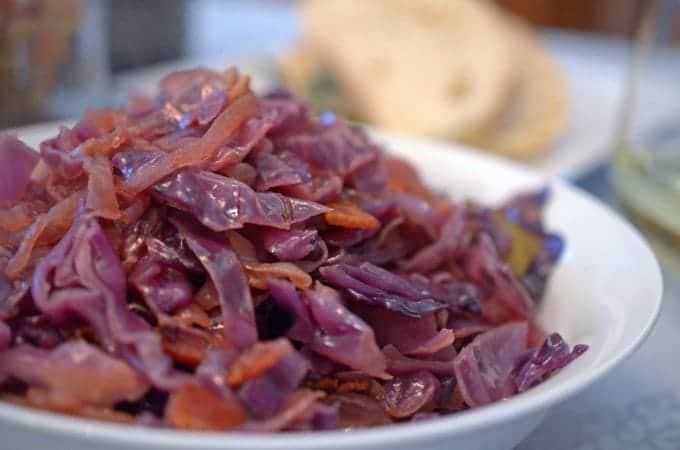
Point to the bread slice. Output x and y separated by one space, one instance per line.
537 111
434 67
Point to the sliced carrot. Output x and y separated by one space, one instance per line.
194 407
135 209
20 216
347 215
101 192
186 345
106 120
193 314
259 273
402 177
258 359
326 384
207 297
222 129
54 223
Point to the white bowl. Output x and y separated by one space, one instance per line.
605 293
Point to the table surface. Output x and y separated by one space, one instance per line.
637 406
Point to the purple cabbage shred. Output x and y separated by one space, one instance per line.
211 260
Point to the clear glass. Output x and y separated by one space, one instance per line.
646 165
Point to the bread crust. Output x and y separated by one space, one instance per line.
537 112
456 69
432 67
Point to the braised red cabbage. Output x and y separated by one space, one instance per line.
75 369
17 161
222 203
550 357
212 260
5 335
290 245
484 368
405 396
376 286
229 279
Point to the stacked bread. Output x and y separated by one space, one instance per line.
455 69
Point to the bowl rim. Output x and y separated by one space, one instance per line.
455 424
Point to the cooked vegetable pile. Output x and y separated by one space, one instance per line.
211 260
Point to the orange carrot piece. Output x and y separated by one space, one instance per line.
347 215
258 359
194 407
186 345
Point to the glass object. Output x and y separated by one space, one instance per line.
53 58
646 165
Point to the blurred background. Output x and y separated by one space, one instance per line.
58 57
52 48
548 83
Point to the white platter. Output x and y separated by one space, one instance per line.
605 293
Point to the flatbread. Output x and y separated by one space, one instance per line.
537 111
431 67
